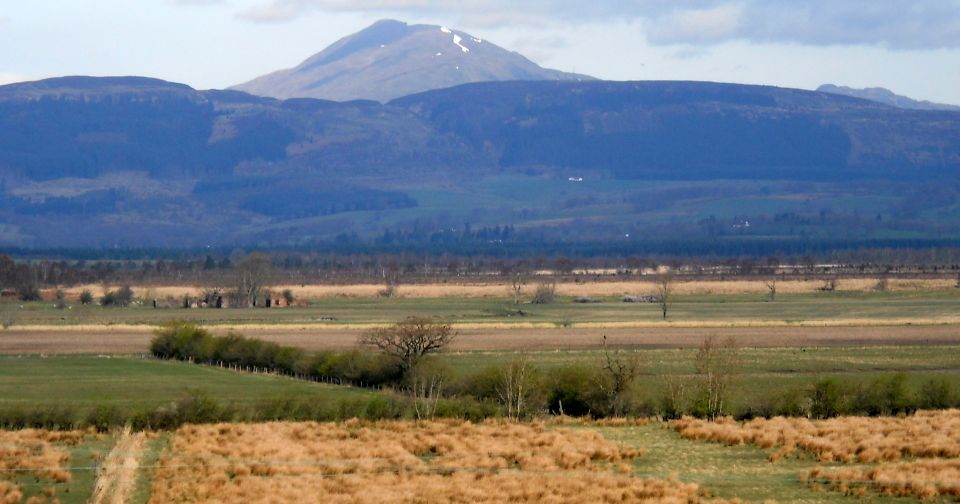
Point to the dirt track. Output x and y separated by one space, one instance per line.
118 475
129 341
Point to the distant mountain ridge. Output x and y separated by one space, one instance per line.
391 59
118 161
887 97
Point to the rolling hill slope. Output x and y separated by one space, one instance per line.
120 161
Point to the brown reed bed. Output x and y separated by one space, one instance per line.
437 461
35 454
925 434
916 455
926 479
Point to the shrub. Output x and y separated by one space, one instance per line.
29 292
826 399
572 390
792 403
585 300
182 341
674 402
86 297
103 417
40 417
481 386
884 396
466 408
288 296
935 394
196 407
121 297
188 342
546 293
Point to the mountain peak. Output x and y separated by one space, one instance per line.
390 59
886 97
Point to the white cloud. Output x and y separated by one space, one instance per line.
897 24
278 12
696 26
197 2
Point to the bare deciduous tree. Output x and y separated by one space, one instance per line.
717 366
410 339
546 293
674 401
619 372
252 272
772 288
517 384
425 384
664 292
518 278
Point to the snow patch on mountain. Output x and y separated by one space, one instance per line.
457 42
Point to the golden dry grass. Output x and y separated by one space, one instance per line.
32 453
844 439
357 462
502 289
924 478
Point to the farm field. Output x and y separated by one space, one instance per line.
83 358
825 308
82 383
456 461
136 340
839 318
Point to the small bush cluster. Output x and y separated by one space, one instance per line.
829 397
187 342
546 293
121 297
197 407
28 292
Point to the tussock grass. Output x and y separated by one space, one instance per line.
357 462
917 455
926 479
34 454
843 439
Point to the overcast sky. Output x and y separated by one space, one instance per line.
911 47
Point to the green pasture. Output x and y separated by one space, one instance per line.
83 382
